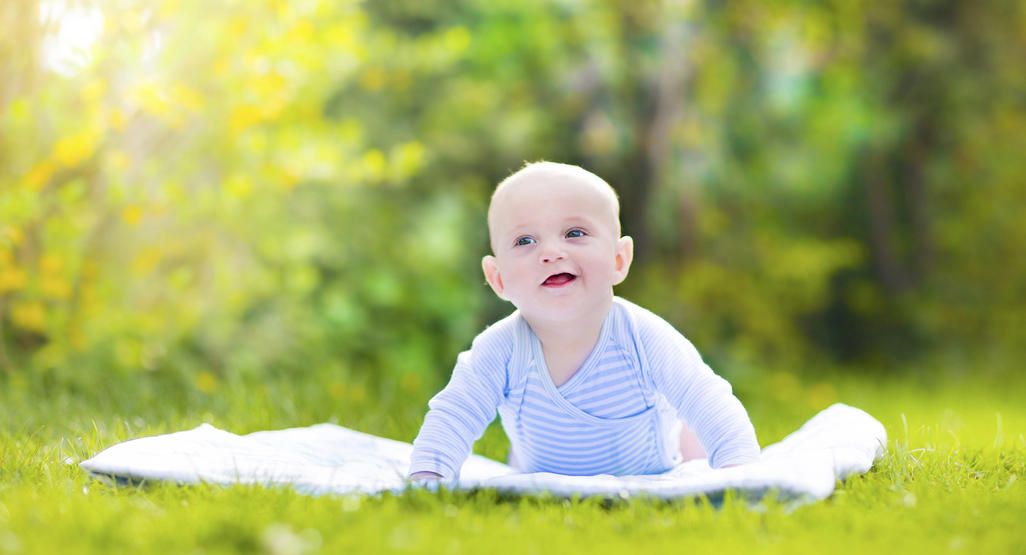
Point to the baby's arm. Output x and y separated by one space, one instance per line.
702 399
459 414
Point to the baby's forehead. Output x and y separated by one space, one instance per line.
537 181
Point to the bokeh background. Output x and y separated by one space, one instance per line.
289 196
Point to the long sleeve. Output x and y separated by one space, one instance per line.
459 414
702 399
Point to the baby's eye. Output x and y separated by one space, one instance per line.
574 233
521 241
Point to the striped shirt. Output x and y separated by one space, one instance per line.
618 414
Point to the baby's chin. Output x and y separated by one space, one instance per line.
566 310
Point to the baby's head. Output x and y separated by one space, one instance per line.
555 232
536 179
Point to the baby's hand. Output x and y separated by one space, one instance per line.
424 475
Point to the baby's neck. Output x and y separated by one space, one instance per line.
566 345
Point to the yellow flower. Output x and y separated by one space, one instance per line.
131 214
29 316
12 279
72 150
243 117
50 263
374 164
151 98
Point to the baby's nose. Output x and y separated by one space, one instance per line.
552 255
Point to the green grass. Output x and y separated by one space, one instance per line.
951 481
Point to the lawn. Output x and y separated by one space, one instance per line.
951 481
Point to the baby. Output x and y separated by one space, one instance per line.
584 382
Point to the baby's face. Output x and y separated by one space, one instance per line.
557 250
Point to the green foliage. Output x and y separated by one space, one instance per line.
235 193
203 220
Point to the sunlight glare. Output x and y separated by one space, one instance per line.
73 31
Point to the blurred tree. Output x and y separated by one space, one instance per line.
252 191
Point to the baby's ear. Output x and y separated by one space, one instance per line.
624 256
491 272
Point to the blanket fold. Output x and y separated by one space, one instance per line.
325 458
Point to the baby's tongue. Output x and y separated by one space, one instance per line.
558 279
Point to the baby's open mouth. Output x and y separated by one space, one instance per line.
559 279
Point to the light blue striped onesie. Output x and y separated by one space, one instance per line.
618 414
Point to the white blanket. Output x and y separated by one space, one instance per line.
325 458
